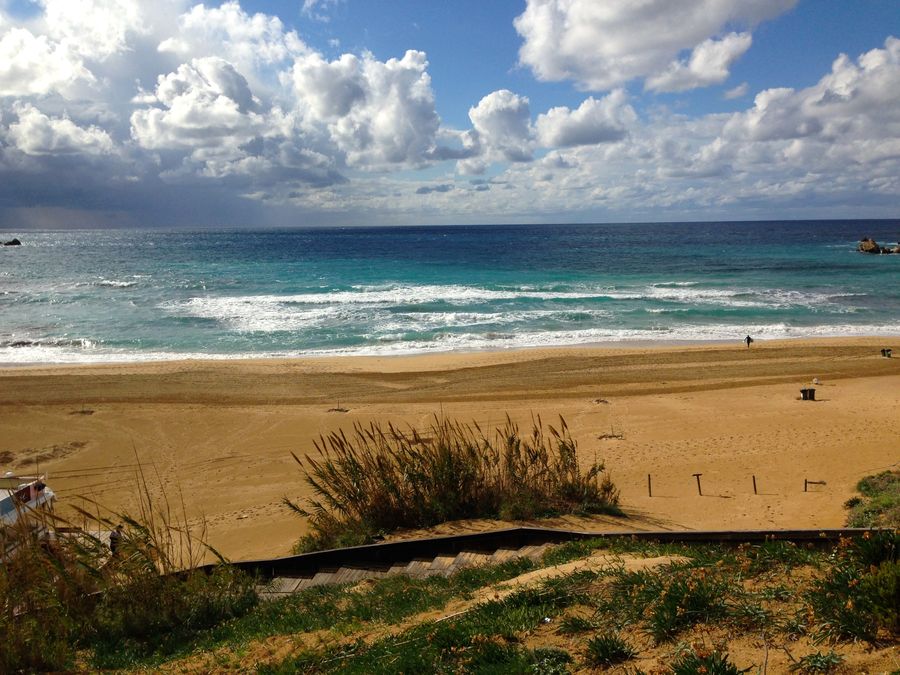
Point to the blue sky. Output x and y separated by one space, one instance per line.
356 112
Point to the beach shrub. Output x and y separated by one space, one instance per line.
377 480
880 590
668 600
550 661
820 662
608 649
702 660
879 505
572 625
860 595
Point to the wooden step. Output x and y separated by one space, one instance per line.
504 554
441 563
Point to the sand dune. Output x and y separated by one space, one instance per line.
220 433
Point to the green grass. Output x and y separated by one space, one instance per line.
879 505
707 589
338 608
484 640
378 480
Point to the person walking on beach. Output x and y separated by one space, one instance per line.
115 539
748 340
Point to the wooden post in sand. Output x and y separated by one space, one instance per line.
649 486
807 483
754 484
697 476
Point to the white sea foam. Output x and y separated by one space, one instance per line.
378 305
429 321
391 309
249 314
116 283
500 341
58 354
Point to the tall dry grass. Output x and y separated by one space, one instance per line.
381 479
62 593
44 592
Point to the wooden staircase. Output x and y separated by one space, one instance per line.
443 564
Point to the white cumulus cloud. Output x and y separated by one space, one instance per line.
206 107
376 113
601 45
854 102
34 65
502 125
832 145
94 29
250 41
594 121
737 92
709 64
34 133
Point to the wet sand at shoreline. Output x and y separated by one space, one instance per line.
219 433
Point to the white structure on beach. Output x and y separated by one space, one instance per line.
23 497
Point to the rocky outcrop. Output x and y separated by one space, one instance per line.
12 242
869 245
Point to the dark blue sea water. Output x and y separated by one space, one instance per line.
93 296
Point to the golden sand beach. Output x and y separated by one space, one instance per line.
218 434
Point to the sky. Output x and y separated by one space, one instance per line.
167 113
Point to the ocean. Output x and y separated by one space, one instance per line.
141 295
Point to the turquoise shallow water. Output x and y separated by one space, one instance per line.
94 296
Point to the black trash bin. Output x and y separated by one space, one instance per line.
811 392
804 393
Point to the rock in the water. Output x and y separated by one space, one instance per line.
868 245
12 242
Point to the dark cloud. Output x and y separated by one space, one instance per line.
428 189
